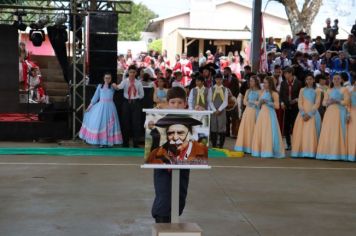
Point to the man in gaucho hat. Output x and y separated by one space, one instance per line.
208 72
179 148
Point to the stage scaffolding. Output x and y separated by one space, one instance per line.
36 10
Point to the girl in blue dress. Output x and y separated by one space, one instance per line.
306 129
267 139
351 126
160 94
333 136
249 117
101 122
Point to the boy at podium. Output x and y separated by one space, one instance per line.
162 178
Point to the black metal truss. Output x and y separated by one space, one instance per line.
50 9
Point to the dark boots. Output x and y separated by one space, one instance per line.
221 140
213 138
163 219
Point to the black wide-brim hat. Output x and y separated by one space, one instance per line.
301 33
177 119
211 67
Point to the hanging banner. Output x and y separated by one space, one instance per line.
176 138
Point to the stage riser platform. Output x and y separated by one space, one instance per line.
28 131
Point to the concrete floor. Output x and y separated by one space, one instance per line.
44 195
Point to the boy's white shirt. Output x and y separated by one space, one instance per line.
211 102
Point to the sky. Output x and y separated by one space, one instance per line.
341 9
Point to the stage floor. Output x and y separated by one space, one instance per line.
103 195
18 117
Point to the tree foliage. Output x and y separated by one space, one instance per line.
301 19
156 45
9 1
131 25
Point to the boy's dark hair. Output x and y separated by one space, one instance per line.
344 76
200 78
262 76
107 73
289 70
132 67
146 77
277 66
33 69
176 92
218 76
139 69
319 77
169 70
228 68
247 67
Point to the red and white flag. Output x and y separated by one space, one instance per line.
263 53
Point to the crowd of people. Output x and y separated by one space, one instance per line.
306 94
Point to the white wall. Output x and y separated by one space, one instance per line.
202 12
148 37
171 40
225 16
136 47
232 16
173 44
171 24
276 27
205 14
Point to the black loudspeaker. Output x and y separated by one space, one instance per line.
9 69
9 58
103 22
103 34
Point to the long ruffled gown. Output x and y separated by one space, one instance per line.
101 123
332 142
351 127
306 133
267 139
248 121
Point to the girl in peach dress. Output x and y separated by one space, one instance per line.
245 134
332 142
306 129
351 126
267 139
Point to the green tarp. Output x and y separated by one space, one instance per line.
73 151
